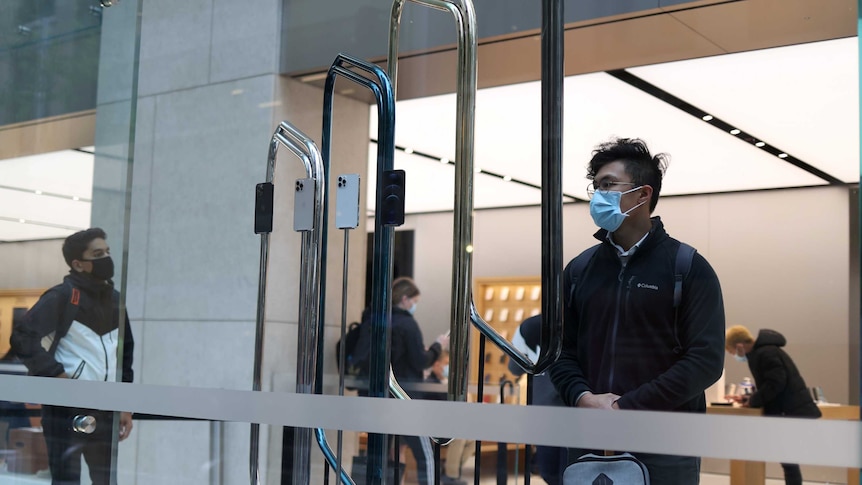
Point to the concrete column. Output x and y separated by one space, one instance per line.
209 97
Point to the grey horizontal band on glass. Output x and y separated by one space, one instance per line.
827 442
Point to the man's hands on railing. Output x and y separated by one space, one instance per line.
599 401
125 425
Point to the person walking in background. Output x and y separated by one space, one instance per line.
72 332
409 359
550 460
779 387
627 343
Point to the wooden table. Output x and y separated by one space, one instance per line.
754 472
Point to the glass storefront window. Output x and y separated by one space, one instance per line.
154 121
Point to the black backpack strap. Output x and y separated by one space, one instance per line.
682 265
72 297
578 266
684 255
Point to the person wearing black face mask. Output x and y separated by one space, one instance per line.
73 332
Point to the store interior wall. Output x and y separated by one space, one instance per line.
31 264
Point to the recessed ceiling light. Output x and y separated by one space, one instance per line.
476 169
469 248
707 118
782 155
76 198
507 178
38 192
759 144
734 131
408 151
22 221
444 160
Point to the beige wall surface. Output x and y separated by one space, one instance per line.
31 264
782 258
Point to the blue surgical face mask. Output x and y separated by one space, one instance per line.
446 371
605 208
740 358
412 309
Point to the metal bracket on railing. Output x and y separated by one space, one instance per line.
308 218
552 201
379 84
465 18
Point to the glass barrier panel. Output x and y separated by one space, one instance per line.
157 122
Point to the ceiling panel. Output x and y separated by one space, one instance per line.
38 195
44 209
703 159
760 24
598 107
66 172
803 99
430 186
14 231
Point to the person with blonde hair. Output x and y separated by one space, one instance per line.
737 335
779 387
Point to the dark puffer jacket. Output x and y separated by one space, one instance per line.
781 391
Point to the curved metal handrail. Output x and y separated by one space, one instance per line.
303 148
552 202
463 12
381 277
344 478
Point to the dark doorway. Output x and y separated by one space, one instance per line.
402 259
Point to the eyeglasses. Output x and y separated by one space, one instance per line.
603 186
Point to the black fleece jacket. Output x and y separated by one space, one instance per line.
409 357
620 334
781 391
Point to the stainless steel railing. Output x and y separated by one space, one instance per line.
305 149
465 18
373 78
552 201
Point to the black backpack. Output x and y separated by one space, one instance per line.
355 355
25 339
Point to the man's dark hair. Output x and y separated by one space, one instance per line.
75 245
640 165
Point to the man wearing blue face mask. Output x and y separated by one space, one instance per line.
73 332
628 342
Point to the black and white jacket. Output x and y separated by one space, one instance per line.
82 314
